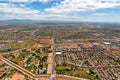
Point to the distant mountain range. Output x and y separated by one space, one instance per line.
18 21
48 21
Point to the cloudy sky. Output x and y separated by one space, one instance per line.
61 10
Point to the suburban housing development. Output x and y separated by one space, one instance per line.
34 51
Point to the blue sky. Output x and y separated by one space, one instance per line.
61 10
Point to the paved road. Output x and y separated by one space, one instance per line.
23 70
50 63
53 75
50 74
76 78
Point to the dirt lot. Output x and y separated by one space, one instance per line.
66 45
18 76
115 50
86 43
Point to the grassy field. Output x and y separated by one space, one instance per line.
77 72
23 44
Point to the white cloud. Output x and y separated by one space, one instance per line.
43 0
70 6
13 9
28 0
57 12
